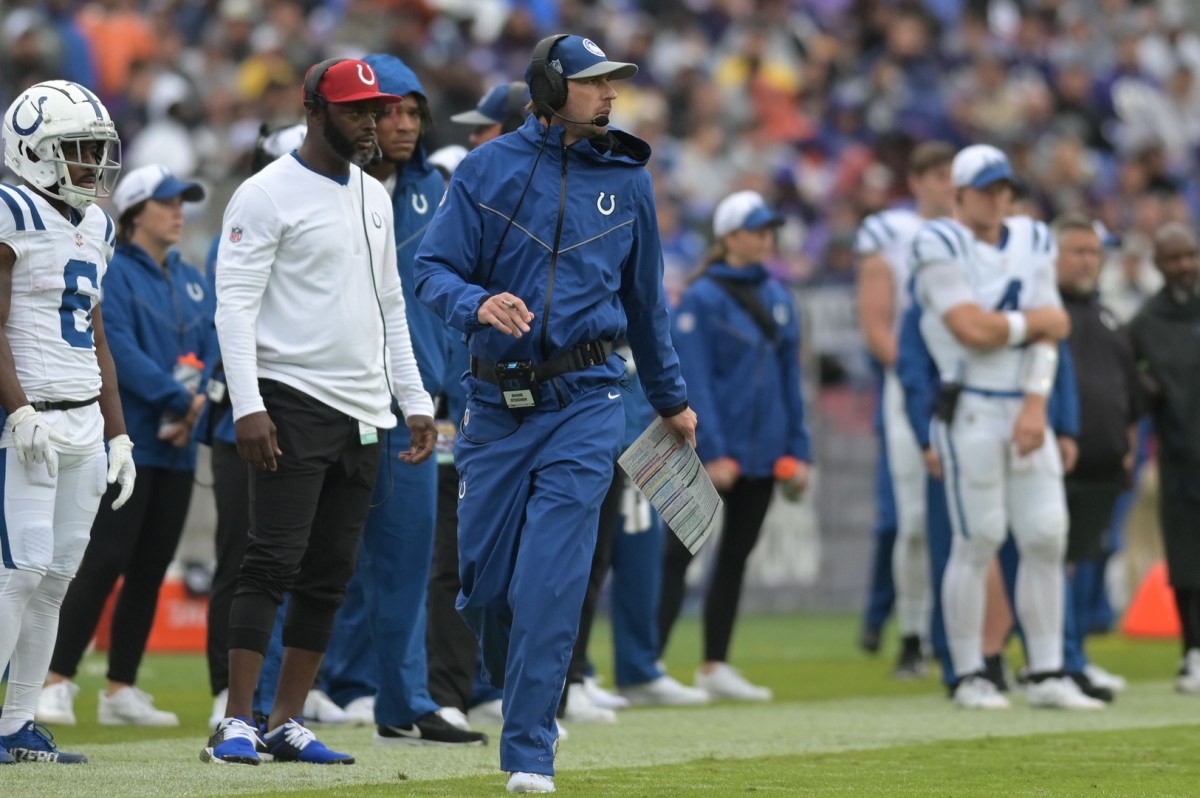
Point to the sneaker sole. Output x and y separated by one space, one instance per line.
416 741
209 757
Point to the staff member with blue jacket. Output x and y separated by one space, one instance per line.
376 664
545 251
158 313
739 344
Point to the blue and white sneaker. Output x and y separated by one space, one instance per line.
293 742
5 757
234 743
33 742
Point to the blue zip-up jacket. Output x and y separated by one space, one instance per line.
582 251
419 186
206 430
919 376
744 387
153 316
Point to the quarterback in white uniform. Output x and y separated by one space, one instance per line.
883 244
991 318
57 381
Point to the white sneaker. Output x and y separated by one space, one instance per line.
724 681
580 708
455 717
530 782
1059 692
130 706
320 710
489 713
664 691
218 709
1188 680
361 711
1102 678
602 698
976 692
56 705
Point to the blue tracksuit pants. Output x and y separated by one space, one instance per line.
881 593
635 588
378 644
528 504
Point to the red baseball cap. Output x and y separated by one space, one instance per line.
349 81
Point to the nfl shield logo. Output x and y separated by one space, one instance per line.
235 235
78 239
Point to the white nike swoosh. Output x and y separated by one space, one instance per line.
612 395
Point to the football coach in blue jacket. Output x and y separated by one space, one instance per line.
544 251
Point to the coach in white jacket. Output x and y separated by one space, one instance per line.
315 343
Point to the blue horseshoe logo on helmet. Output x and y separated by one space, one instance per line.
25 131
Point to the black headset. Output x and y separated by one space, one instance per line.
313 99
547 86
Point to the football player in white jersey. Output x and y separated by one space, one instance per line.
57 381
883 244
991 317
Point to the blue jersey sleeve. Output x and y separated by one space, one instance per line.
1062 410
449 254
918 375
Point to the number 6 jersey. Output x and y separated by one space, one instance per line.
55 287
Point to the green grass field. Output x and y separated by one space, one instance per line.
839 726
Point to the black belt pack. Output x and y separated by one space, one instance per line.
518 380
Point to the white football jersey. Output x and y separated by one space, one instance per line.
1019 274
55 287
890 234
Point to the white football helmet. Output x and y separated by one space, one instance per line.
44 132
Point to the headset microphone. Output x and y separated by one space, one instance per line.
598 121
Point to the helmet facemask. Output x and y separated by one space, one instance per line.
67 152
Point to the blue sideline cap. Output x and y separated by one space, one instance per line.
743 210
577 58
980 166
495 106
153 182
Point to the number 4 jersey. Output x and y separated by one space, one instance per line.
55 287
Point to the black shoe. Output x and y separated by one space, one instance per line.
429 729
1092 690
911 664
995 670
868 640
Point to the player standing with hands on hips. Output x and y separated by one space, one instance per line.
545 251
57 382
308 302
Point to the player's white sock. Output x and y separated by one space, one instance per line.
910 570
17 589
1039 606
964 592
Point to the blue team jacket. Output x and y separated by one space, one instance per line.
419 186
582 251
153 316
744 388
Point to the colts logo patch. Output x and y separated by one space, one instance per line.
235 235
612 204
420 204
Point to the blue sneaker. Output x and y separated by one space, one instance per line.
234 743
5 757
33 742
293 742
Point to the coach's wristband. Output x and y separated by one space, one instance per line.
1016 327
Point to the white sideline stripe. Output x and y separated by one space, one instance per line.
171 768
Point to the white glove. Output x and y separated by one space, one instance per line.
121 468
34 438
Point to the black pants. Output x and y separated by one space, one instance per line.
231 489
137 542
745 509
1090 504
307 521
610 516
450 644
